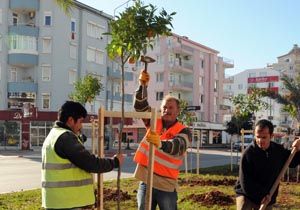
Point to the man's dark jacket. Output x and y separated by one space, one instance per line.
260 168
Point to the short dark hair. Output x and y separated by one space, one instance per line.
71 109
261 124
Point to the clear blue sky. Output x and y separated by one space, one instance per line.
252 33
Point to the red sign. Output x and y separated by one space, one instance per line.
263 79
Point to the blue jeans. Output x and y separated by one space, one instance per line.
164 200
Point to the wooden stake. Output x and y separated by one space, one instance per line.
101 155
276 183
150 163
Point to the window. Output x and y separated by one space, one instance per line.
215 101
47 18
0 16
47 45
159 96
262 74
216 67
94 30
95 55
15 19
0 71
72 76
252 74
0 42
17 42
202 64
73 50
73 29
201 98
271 84
46 72
216 86
240 86
160 77
13 74
216 117
46 101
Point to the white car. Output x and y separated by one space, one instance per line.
238 145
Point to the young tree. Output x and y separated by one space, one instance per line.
245 106
132 32
185 117
86 89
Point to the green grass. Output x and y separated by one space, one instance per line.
289 196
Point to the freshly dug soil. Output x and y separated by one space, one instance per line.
112 195
208 182
211 198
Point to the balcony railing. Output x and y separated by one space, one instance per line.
24 5
22 87
26 29
186 86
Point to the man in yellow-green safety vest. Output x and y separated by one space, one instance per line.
66 164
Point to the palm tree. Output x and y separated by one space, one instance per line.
65 5
291 97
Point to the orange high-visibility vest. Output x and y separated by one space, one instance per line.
164 164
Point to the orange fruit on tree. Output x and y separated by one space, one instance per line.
131 60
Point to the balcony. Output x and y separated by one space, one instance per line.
128 98
228 63
22 51
19 87
25 59
116 75
24 30
181 86
27 5
183 49
182 68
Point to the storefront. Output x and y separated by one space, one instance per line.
208 133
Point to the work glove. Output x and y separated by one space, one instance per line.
144 78
154 138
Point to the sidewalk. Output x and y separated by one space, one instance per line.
36 153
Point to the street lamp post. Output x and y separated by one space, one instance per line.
121 6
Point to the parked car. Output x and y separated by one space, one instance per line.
238 145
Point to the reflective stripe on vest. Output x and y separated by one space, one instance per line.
57 166
62 181
164 164
77 183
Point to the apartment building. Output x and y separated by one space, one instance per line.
43 52
266 78
192 72
263 78
287 64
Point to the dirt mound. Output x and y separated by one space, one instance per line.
211 198
208 182
112 195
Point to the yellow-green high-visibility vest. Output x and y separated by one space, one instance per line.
64 185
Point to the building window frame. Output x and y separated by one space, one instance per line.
73 50
72 76
159 95
47 49
48 18
46 72
46 99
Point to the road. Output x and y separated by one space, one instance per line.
24 173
